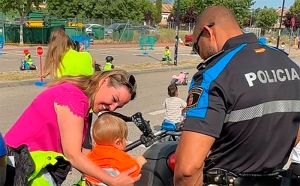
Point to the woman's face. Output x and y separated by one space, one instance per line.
109 98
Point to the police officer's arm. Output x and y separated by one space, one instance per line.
205 117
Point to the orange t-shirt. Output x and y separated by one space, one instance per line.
110 157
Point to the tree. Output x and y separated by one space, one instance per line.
287 22
241 8
252 17
171 17
266 18
184 6
132 10
66 8
190 16
22 7
295 8
158 5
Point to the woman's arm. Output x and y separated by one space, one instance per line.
71 132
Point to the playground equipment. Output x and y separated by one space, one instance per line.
2 43
147 41
86 40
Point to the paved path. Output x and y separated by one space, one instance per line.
152 91
10 60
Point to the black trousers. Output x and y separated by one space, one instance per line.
296 168
87 144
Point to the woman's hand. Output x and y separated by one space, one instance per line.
141 160
124 179
44 75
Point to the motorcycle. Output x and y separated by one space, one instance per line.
160 156
97 67
26 66
181 79
159 169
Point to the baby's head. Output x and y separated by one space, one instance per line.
167 47
110 130
172 90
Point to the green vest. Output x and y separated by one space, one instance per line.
41 159
76 63
107 66
28 59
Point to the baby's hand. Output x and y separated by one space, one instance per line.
141 160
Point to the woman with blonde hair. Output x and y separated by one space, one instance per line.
56 121
63 59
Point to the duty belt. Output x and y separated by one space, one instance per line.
221 177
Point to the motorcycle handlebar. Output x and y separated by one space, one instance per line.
148 137
148 141
137 119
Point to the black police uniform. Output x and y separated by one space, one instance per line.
247 97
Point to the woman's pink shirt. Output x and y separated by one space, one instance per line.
38 128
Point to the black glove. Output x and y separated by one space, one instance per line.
142 124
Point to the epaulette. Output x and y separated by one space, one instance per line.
204 64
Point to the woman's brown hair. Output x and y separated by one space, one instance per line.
59 44
90 84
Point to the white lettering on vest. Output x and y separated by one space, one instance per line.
272 76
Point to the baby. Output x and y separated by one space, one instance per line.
109 133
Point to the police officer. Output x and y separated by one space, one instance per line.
108 64
246 103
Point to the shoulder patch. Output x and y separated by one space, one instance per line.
193 97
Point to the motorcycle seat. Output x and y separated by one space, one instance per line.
168 126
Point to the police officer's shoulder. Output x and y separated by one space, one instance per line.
275 48
212 58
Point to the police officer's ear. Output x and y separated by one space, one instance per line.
207 31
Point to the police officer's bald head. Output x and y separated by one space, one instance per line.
215 25
220 15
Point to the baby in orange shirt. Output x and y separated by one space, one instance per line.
109 133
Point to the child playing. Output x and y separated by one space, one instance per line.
81 47
108 64
282 46
174 106
110 133
269 43
28 60
166 54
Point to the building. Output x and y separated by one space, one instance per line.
278 10
165 12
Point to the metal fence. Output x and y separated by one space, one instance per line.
183 26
